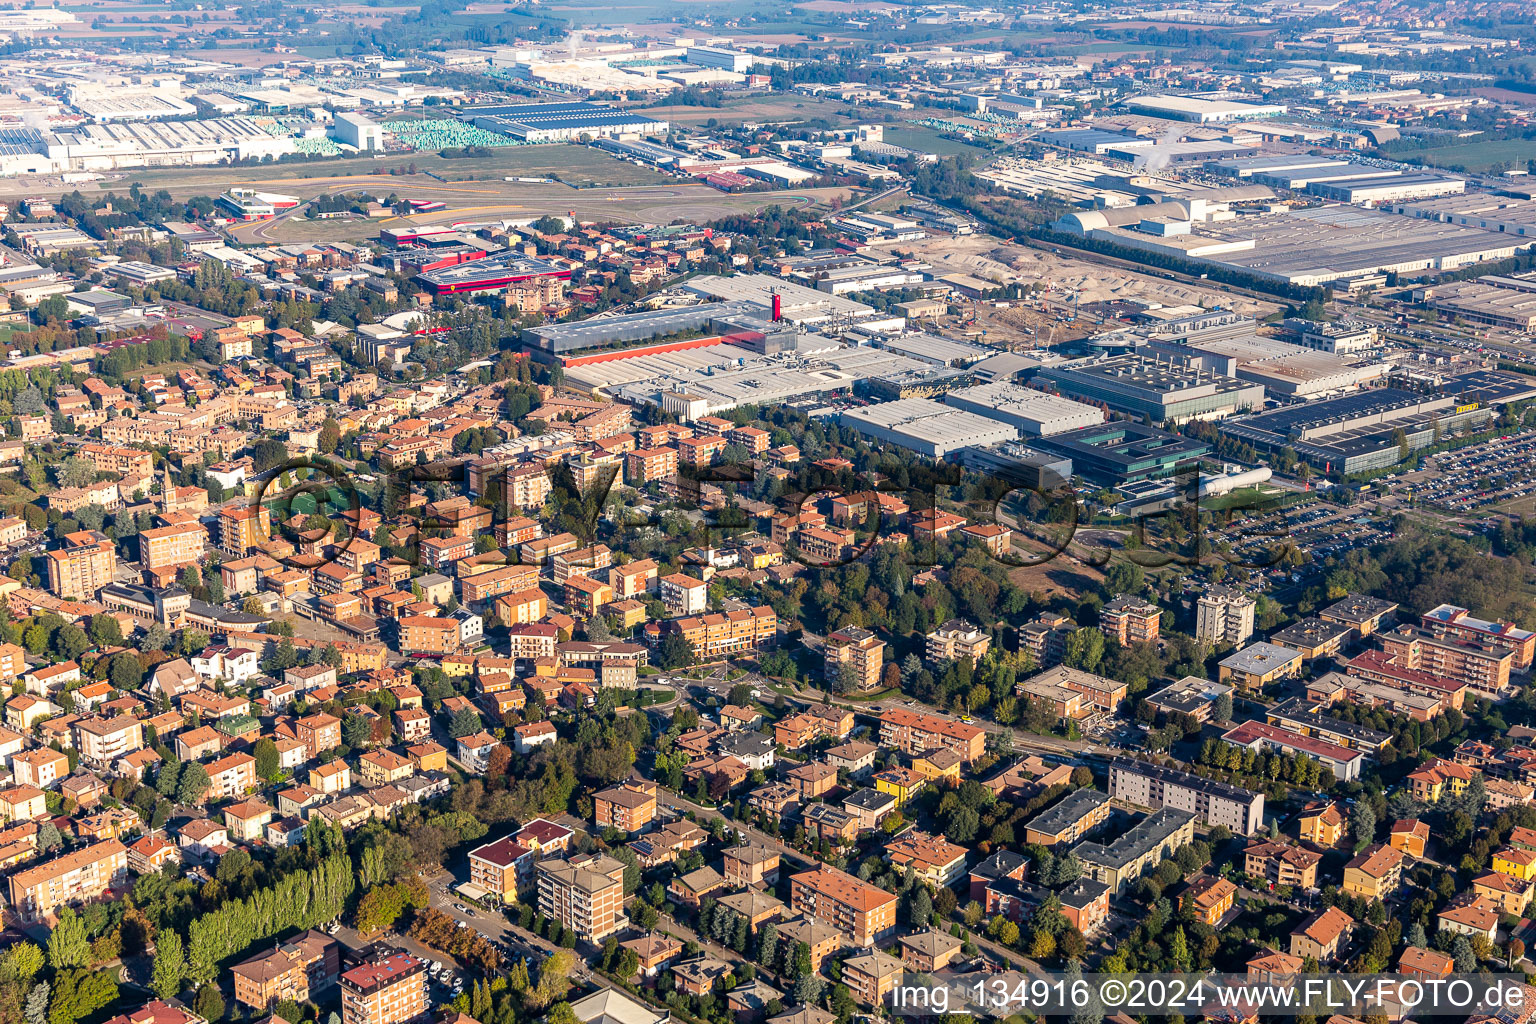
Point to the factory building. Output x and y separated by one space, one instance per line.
1357 432
117 146
561 122
1389 188
1164 390
1508 302
926 427
1200 109
1122 452
1034 413
719 57
361 133
491 274
1313 246
704 322
1500 214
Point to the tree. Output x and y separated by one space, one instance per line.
105 631
125 671
76 472
330 436
268 762
156 638
1222 710
1362 824
193 641
36 1011
1084 649
675 652
170 963
209 1004
78 993
355 730
70 641
68 945
192 783
1466 959
464 722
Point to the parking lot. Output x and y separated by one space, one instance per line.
1495 471
1317 529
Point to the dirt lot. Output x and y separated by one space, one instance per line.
987 258
1061 575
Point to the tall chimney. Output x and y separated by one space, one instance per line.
778 307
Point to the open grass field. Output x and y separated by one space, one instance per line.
579 166
494 201
926 140
754 108
1477 156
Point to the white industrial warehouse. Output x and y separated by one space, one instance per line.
926 427
1034 413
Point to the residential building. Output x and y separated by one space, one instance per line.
914 733
1411 836
1131 620
872 976
86 563
389 989
83 874
1216 803
934 859
855 653
1375 873
497 867
585 894
1322 824
1131 854
1072 817
1281 863
1209 898
1223 617
1322 935
628 807
300 969
957 639
866 914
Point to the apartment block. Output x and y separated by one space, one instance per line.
1481 663
429 634
1450 620
133 462
1215 803
103 740
585 894
86 563
957 639
1223 616
80 875
628 807
1131 620
299 969
391 989
858 649
241 530
913 733
681 594
718 635
171 547
497 867
864 913
647 464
